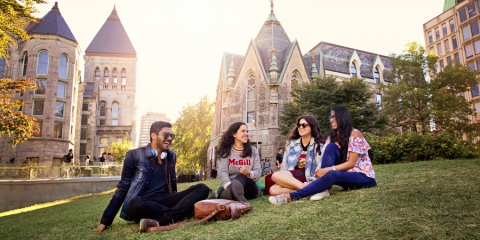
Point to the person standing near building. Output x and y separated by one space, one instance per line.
67 162
148 185
213 174
279 158
88 169
102 158
110 157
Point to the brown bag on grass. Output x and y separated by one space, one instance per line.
218 209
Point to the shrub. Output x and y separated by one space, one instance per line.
412 147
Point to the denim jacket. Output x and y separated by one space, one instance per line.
294 149
136 174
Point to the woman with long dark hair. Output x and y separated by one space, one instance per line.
345 161
239 166
301 157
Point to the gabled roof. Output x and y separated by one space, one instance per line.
337 58
112 38
272 35
53 24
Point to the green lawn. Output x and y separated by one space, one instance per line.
423 200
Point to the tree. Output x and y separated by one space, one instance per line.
420 97
119 150
449 108
192 133
318 97
14 16
407 101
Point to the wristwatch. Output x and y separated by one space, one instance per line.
333 168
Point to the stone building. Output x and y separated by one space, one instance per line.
254 87
108 108
52 57
84 116
146 122
454 35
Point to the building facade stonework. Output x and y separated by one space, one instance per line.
51 57
254 87
85 116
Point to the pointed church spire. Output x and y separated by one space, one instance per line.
231 74
231 70
274 68
314 68
114 16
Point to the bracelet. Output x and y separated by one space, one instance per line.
333 168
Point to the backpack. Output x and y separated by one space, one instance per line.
65 159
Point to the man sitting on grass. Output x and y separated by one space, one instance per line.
148 185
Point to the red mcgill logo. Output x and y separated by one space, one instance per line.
232 161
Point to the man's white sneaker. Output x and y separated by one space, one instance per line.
320 195
278 200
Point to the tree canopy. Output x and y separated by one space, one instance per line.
192 133
318 97
421 98
119 150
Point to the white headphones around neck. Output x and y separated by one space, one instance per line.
155 153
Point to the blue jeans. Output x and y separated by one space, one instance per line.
347 180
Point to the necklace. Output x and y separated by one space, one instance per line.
236 149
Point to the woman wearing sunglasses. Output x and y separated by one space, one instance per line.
239 166
301 157
345 161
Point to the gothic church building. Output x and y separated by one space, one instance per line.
253 88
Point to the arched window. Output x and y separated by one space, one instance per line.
42 63
251 93
124 77
63 66
115 110
294 79
105 75
97 74
25 64
376 75
353 69
102 109
115 73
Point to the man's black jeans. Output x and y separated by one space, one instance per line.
167 208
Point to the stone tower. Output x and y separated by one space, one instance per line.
108 109
51 56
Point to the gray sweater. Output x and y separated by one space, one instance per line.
229 167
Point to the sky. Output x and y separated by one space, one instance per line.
180 43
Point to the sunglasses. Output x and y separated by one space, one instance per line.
166 135
330 118
303 125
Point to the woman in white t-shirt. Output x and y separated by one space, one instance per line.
87 163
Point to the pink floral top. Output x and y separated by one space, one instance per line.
363 164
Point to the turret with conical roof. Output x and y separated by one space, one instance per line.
52 24
273 46
111 39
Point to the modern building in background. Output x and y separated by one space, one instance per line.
84 116
146 122
253 88
454 35
52 57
